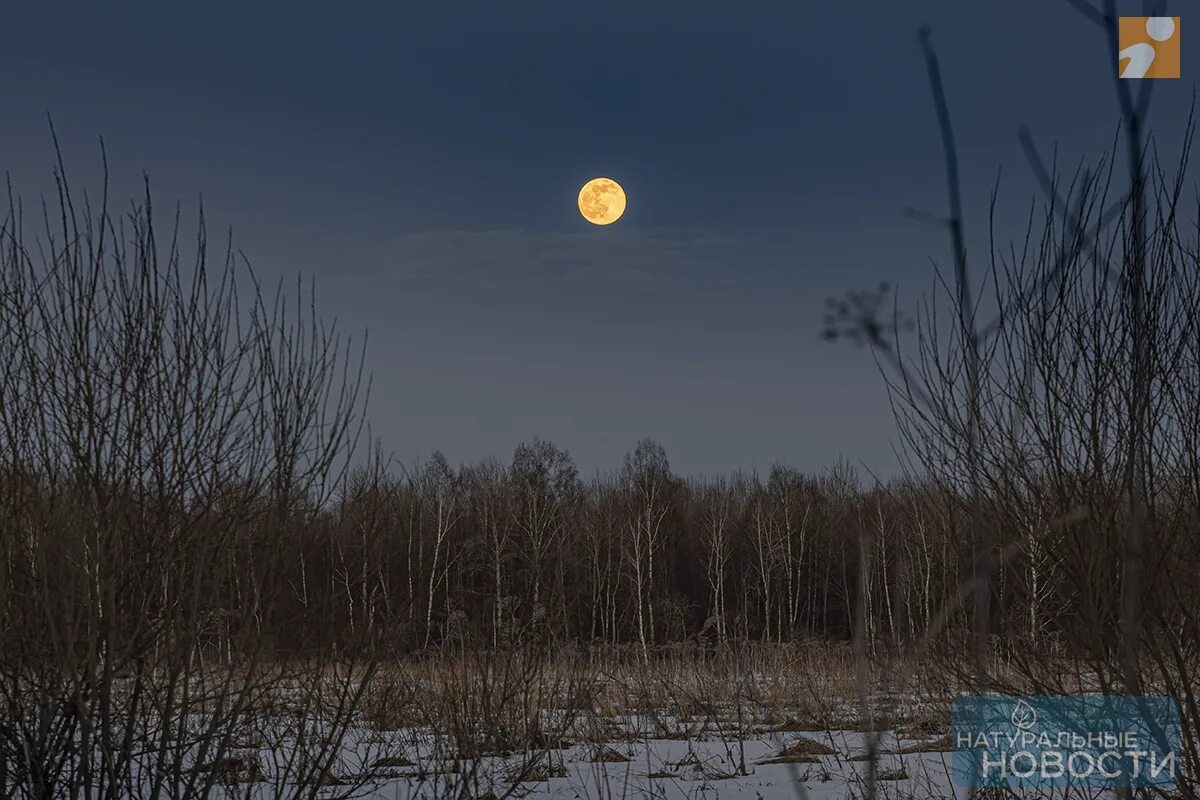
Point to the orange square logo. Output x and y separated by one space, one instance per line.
1148 47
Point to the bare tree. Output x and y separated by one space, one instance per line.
487 484
547 496
441 491
721 506
648 485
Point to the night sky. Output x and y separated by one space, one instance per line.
422 165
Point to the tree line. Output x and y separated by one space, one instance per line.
470 555
640 555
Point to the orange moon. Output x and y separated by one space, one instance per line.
602 201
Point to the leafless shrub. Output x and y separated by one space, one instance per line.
164 427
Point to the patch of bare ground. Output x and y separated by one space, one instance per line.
797 724
801 751
923 725
603 754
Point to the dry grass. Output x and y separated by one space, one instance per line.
603 754
522 701
801 751
441 718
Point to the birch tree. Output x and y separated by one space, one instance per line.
547 493
648 486
441 492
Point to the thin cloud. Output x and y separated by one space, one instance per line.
608 257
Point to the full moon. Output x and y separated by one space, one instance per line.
602 201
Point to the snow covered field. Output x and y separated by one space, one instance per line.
641 760
707 768
501 725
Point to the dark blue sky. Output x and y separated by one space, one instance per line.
421 162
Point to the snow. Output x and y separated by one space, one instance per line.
707 767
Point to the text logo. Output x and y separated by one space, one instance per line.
1148 47
1092 740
